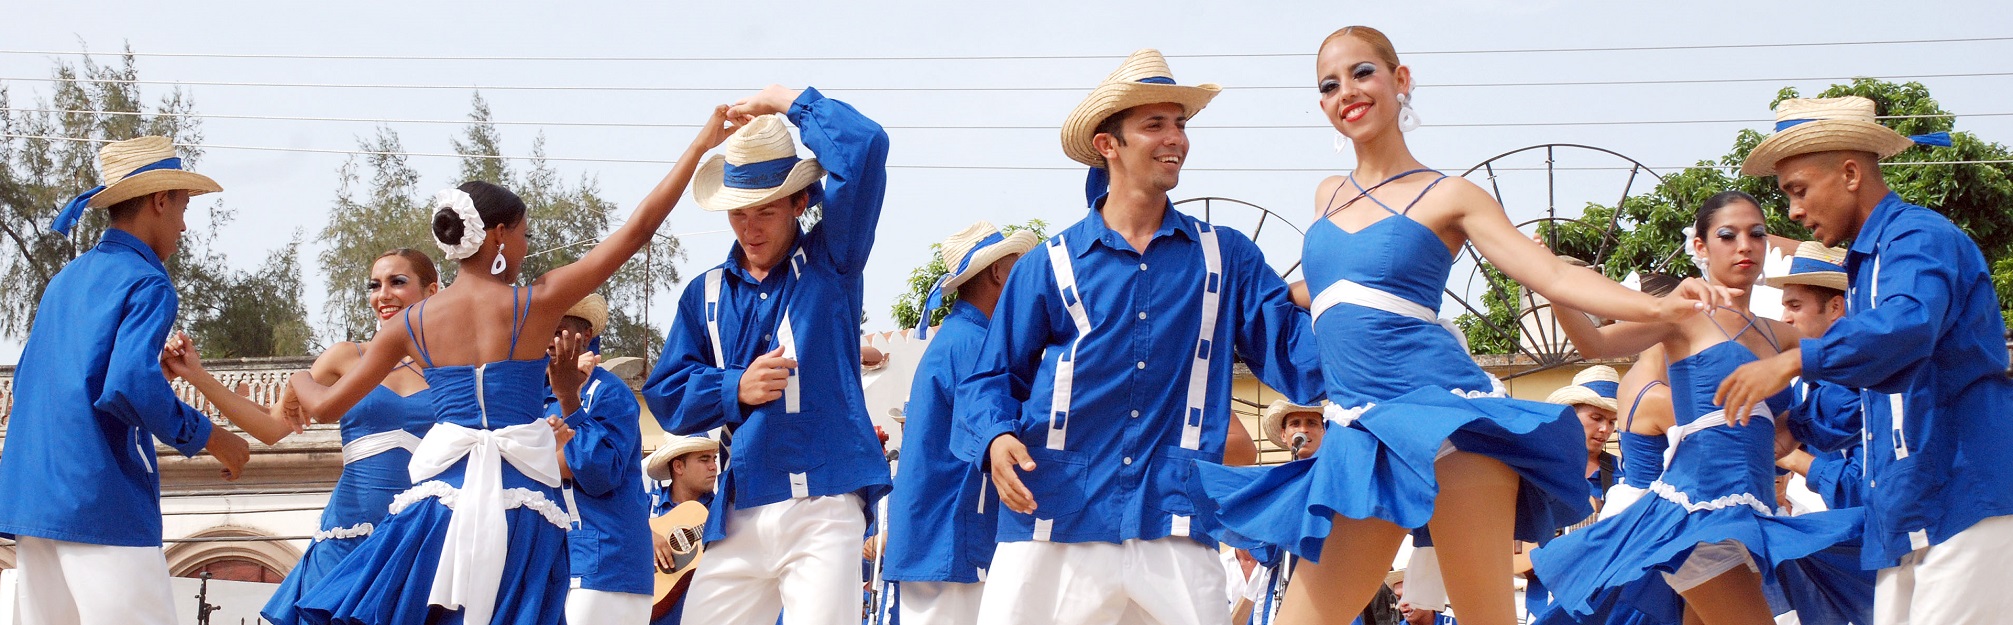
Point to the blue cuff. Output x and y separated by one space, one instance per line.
1812 350
577 419
203 429
731 410
802 105
984 440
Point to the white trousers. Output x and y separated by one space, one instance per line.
597 606
940 603
1962 580
1170 581
799 557
66 583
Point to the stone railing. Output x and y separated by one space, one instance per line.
260 379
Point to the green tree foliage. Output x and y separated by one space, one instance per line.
909 305
229 312
1649 228
386 208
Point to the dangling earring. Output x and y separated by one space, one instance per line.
1408 118
1341 142
496 266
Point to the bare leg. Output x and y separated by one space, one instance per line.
1354 559
1473 520
1732 598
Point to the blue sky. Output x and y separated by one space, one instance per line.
1009 174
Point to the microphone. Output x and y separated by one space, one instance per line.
1299 441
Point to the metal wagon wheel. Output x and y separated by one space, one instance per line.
1282 247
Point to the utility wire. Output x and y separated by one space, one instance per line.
1075 168
1050 128
1073 89
1009 57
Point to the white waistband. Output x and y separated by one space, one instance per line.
1712 419
374 444
472 553
1347 292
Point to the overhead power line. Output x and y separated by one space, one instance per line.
215 146
982 57
1049 128
986 89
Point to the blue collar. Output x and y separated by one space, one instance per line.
962 310
1867 239
1171 222
735 256
121 238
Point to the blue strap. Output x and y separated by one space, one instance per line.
74 209
516 320
418 338
1422 194
1630 424
1363 192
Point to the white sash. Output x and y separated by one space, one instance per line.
472 553
374 444
1711 419
1347 292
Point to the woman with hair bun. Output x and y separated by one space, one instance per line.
481 536
1420 438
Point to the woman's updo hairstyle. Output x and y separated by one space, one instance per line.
1713 205
1379 44
497 205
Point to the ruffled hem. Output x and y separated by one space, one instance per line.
1380 464
315 564
388 577
1617 560
359 530
513 498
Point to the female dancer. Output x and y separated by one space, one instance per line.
1707 524
378 435
1472 467
481 537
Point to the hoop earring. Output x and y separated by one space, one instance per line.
496 266
1341 142
1408 118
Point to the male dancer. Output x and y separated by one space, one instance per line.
767 346
1922 335
81 482
609 544
1106 376
1827 416
941 521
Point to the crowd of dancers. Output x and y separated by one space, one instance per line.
1070 455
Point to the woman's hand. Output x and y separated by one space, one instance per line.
715 132
1691 297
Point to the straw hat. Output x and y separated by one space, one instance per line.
757 165
1807 125
130 169
658 465
1272 422
594 310
1815 265
1143 79
975 248
1594 386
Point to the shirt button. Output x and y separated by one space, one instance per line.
1142 364
1142 266
768 337
1135 414
765 296
1142 315
1128 460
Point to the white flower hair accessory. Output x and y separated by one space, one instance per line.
1697 258
471 223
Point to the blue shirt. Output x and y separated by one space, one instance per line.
940 520
89 399
1922 336
1122 473
1828 419
610 549
831 442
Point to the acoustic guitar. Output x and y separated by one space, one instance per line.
685 526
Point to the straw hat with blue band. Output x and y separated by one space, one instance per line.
130 169
756 166
1594 386
1815 265
658 464
1143 79
1272 422
967 253
1809 125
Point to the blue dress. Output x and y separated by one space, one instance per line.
362 495
1718 485
388 578
1401 386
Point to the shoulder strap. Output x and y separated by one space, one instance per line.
1363 192
518 317
418 337
1422 194
1630 424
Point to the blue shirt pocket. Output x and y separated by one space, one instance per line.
1056 482
1167 482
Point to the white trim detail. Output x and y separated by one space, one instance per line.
1042 529
1673 495
359 530
1198 361
512 498
1065 363
712 310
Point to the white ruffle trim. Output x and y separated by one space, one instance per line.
359 530
1673 495
512 498
1345 416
